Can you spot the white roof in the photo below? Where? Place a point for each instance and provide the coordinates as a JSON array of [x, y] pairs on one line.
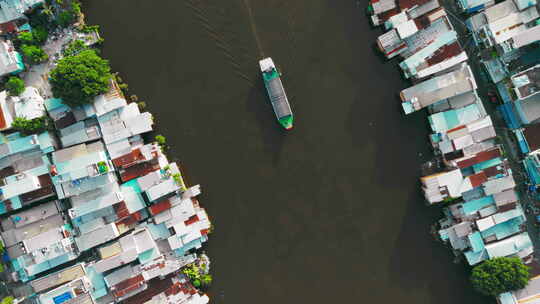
[[485, 223], [527, 37], [29, 104], [266, 64], [406, 29]]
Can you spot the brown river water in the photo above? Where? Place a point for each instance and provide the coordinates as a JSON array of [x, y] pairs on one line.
[[328, 213]]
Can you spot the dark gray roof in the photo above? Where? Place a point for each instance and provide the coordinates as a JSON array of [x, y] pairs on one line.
[[278, 98]]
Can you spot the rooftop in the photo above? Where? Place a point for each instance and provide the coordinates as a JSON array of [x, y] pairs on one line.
[[438, 88]]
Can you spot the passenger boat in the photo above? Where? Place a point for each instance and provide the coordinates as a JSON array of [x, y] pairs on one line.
[[276, 93]]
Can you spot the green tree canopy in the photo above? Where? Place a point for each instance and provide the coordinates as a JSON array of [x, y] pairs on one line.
[[34, 54], [15, 86], [30, 126], [78, 79], [40, 35], [65, 18], [7, 300], [500, 275], [25, 38]]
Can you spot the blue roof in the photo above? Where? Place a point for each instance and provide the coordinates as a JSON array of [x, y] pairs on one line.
[[496, 70], [532, 170], [54, 103], [522, 141], [504, 229], [474, 258], [410, 64], [487, 164], [477, 243], [506, 298], [475, 205], [444, 121]]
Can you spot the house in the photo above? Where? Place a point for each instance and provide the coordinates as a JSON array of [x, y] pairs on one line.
[[126, 267], [501, 31], [79, 168], [80, 132], [75, 291], [487, 227], [24, 170], [411, 35], [484, 173], [472, 6], [441, 53], [28, 105], [529, 294], [527, 83], [123, 123], [169, 290], [447, 89], [465, 140], [139, 162], [37, 240], [11, 61], [184, 224], [443, 122], [383, 10], [524, 109], [64, 116], [103, 215], [497, 25], [528, 139], [55, 279], [11, 10]]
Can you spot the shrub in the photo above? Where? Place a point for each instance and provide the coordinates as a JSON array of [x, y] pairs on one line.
[[25, 38], [40, 35], [30, 126], [7, 300], [15, 86], [75, 48], [34, 54], [142, 106], [161, 140], [78, 79], [65, 19], [500, 275]]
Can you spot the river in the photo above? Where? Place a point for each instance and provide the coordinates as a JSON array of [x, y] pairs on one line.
[[328, 213]]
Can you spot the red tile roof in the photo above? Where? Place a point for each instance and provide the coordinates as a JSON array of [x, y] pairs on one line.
[[128, 285], [480, 157], [129, 159], [532, 135], [192, 220], [160, 207], [138, 170], [3, 123], [407, 4], [478, 179], [445, 52]]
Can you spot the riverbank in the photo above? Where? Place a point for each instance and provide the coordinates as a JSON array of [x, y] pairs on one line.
[[480, 173], [91, 210]]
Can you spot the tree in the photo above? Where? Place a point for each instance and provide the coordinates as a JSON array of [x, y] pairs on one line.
[[25, 38], [75, 48], [500, 275], [34, 54], [78, 79], [7, 300], [40, 35], [15, 86], [30, 126], [65, 18]]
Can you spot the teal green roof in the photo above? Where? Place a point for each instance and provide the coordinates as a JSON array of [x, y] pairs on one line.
[[473, 206], [476, 241]]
